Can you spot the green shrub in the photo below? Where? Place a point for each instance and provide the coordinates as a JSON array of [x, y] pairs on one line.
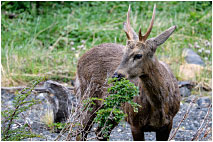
[[56, 126], [10, 116], [120, 92]]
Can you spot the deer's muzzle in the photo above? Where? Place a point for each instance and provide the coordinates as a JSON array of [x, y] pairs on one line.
[[119, 76]]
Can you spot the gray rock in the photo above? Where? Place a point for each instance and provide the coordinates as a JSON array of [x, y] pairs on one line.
[[204, 102], [190, 98], [41, 96], [187, 84], [185, 92], [196, 124], [192, 58], [122, 132], [192, 127]]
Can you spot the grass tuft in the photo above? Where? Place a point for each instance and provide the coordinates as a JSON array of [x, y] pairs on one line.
[[47, 38]]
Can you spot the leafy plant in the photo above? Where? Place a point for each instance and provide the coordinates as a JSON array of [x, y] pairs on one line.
[[21, 104], [56, 126], [120, 92]]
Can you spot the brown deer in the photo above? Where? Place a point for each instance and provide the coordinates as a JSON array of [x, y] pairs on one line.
[[159, 93]]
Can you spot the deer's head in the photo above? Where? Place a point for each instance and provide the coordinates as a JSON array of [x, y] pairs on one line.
[[139, 51]]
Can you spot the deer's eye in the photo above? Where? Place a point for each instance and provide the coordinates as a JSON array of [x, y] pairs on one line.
[[137, 56]]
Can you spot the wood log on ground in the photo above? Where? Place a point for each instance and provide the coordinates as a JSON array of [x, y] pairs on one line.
[[57, 96], [61, 106]]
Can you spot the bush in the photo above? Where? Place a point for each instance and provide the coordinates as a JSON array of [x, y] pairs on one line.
[[120, 92], [10, 116]]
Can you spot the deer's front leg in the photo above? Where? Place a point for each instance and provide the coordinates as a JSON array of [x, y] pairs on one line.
[[163, 133], [137, 133]]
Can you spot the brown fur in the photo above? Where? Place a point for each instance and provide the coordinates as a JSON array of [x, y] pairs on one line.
[[159, 93]]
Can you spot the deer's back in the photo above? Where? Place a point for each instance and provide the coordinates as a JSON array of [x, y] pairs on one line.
[[96, 65]]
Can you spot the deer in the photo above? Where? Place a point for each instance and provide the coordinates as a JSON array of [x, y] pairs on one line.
[[158, 95]]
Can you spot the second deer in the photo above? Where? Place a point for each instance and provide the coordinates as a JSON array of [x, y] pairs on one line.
[[159, 93]]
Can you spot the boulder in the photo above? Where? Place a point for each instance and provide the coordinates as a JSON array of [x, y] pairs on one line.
[[185, 92], [192, 58]]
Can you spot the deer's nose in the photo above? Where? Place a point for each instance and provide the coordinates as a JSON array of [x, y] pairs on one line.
[[118, 75]]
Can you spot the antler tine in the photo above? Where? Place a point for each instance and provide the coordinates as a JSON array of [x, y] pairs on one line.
[[143, 38], [128, 13], [128, 25]]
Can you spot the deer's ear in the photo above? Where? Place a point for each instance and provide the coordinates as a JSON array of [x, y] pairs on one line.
[[160, 39]]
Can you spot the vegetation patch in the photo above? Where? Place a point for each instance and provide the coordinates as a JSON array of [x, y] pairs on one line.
[[10, 116], [48, 38], [120, 92]]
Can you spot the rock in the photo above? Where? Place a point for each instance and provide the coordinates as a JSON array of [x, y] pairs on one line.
[[9, 104], [204, 102], [192, 58], [187, 84], [122, 132], [185, 92], [192, 127], [41, 97], [190, 98], [196, 124]]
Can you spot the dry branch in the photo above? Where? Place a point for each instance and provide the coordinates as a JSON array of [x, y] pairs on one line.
[[206, 133], [199, 131], [184, 117]]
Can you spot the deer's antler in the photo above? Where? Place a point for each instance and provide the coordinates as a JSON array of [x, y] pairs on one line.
[[130, 33], [143, 38]]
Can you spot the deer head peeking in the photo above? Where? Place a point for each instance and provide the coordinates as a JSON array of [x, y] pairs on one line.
[[139, 52]]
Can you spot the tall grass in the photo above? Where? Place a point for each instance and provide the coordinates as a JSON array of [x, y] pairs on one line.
[[47, 38]]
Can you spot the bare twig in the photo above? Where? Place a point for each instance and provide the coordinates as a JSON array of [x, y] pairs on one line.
[[92, 138], [196, 136], [206, 130], [206, 133], [184, 117]]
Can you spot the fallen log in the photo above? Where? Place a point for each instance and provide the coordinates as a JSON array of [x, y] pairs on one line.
[[40, 89], [60, 101]]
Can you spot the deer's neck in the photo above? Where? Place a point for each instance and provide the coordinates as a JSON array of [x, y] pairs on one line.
[[154, 83]]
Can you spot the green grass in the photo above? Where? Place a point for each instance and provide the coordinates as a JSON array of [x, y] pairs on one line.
[[44, 38]]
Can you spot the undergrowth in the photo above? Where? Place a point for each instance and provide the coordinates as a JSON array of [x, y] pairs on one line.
[[120, 92], [11, 130]]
